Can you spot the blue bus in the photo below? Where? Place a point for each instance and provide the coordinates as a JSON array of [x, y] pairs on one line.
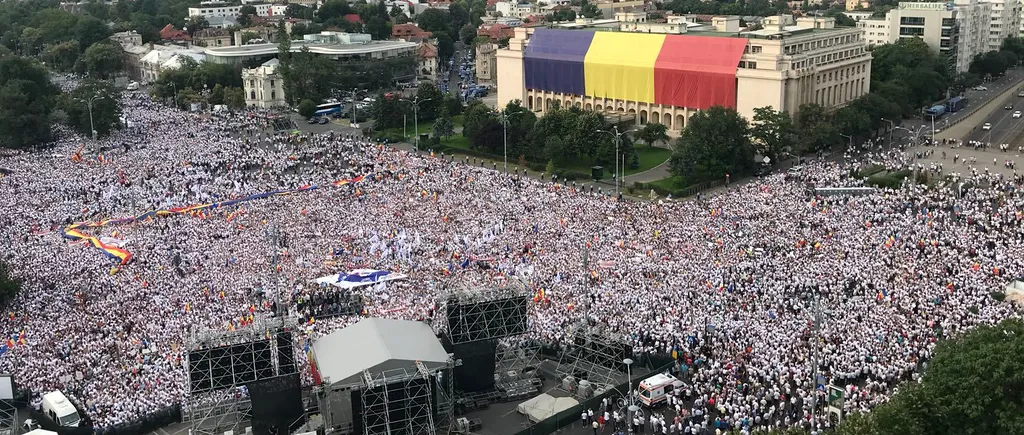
[[956, 103], [328, 109]]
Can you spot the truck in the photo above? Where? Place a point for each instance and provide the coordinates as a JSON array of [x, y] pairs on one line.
[[58, 408], [956, 103], [935, 111]]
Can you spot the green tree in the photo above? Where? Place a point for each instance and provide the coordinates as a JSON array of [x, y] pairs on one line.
[[435, 20], [62, 56], [991, 63], [332, 10], [89, 30], [248, 36], [309, 77], [26, 100], [245, 15], [815, 130], [196, 23], [974, 385], [10, 286], [31, 41], [388, 112], [445, 46], [467, 33], [299, 11], [459, 14], [102, 60], [589, 10], [217, 94], [430, 101], [475, 118], [714, 143], [443, 126], [307, 108], [378, 27], [652, 133], [911, 64], [772, 130], [106, 107], [234, 97]]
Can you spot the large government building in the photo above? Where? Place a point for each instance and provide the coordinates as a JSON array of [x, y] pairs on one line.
[[665, 72]]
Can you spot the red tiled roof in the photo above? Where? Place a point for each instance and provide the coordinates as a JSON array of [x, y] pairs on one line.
[[427, 50], [170, 33], [409, 30], [496, 32], [353, 18]]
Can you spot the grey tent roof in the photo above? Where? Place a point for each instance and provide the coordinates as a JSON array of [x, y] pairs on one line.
[[377, 345]]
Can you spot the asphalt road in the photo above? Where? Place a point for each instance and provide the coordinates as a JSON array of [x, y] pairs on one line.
[[1005, 128]]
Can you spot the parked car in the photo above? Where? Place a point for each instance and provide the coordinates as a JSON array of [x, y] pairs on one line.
[[323, 120], [314, 120]]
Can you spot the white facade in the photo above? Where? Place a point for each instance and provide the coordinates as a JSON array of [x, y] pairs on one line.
[[1004, 22], [263, 86], [161, 58], [958, 30], [263, 10], [515, 9]]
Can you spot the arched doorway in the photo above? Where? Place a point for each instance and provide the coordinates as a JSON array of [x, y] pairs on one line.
[[643, 117]]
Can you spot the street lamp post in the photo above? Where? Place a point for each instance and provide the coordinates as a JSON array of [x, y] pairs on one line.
[[416, 118], [892, 128], [504, 116], [89, 102], [173, 85], [933, 131], [850, 138], [629, 382], [618, 136]]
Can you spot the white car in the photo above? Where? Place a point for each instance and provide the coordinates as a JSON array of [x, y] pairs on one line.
[[987, 126], [1016, 114], [980, 88]]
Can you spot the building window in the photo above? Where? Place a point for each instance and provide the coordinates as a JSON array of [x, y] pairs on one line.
[[751, 65], [911, 31], [271, 83], [911, 21], [252, 95], [755, 48], [273, 95], [948, 22]]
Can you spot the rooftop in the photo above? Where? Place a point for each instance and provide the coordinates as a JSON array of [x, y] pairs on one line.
[[316, 48], [376, 345]]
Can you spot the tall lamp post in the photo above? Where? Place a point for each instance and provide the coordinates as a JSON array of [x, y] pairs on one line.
[[504, 116], [89, 102], [173, 85], [618, 136], [416, 118], [631, 407], [850, 139], [892, 128]]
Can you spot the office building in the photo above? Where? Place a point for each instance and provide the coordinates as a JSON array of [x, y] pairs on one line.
[[667, 78], [957, 31], [1004, 22]]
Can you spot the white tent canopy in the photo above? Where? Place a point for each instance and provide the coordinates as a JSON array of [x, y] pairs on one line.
[[544, 406]]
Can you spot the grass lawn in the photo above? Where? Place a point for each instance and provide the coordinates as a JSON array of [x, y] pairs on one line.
[[669, 183], [650, 157]]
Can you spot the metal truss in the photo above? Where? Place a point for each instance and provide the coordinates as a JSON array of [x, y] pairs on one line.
[[217, 412], [8, 418], [219, 364], [484, 314], [401, 401], [513, 356], [595, 354]]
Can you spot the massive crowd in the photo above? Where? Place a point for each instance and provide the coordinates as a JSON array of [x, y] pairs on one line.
[[890, 272]]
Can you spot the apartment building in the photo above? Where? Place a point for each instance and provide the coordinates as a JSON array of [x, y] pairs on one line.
[[666, 78], [228, 10], [958, 31], [1004, 22]]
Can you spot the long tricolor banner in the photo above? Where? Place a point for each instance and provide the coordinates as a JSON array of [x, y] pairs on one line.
[[74, 231], [671, 70]]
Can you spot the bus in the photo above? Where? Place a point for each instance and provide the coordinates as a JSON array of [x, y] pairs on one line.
[[328, 109], [956, 103]]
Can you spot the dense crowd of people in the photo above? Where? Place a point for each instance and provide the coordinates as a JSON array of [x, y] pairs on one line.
[[889, 273]]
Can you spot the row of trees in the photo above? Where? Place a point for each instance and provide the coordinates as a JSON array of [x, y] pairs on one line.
[[196, 82], [995, 63]]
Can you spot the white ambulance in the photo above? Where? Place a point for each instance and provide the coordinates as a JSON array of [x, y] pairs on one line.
[[654, 390], [59, 409]]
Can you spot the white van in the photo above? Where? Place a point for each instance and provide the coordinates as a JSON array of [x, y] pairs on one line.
[[133, 86], [59, 409], [655, 389]]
